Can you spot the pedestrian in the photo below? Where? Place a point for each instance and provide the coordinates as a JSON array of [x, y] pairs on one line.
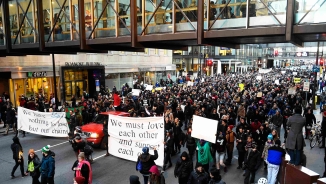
[[47, 166], [33, 167], [277, 121], [295, 141], [79, 180], [10, 118], [156, 177], [106, 137], [83, 168], [190, 143], [220, 147], [216, 178], [78, 145], [204, 154], [230, 139], [252, 163], [198, 175], [17, 152], [323, 129], [168, 149], [241, 143], [146, 161], [275, 154], [183, 168], [134, 179], [269, 143]]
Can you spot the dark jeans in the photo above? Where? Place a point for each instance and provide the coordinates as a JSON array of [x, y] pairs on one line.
[[21, 164], [191, 150], [247, 176], [241, 157], [183, 180], [35, 179], [46, 180], [295, 156], [177, 145], [167, 158], [229, 149], [145, 179]]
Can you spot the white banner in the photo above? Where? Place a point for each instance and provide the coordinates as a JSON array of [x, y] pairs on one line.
[[129, 135], [53, 124], [203, 128], [135, 92]]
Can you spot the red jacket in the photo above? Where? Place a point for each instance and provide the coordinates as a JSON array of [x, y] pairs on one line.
[[255, 126], [117, 100]]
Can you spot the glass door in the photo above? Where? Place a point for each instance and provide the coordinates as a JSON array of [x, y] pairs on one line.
[[79, 87], [68, 87]]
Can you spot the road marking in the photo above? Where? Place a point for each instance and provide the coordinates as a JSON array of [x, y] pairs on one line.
[[53, 146], [99, 157]]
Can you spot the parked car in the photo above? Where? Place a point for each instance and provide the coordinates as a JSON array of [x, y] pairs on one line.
[[94, 129]]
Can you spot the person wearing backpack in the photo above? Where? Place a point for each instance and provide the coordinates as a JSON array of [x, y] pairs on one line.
[[33, 168], [145, 162], [156, 176]]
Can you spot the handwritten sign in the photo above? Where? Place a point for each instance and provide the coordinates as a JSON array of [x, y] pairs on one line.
[[53, 124]]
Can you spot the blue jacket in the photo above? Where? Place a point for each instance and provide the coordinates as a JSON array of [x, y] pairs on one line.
[[275, 154], [48, 166]]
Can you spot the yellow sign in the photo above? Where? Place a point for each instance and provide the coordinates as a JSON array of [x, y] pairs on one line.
[[321, 70], [241, 86], [297, 80]]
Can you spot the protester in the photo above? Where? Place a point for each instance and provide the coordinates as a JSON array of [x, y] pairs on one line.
[[275, 154], [156, 177], [216, 178], [241, 143], [147, 161], [168, 149], [204, 154], [190, 143], [220, 147], [230, 139], [47, 166], [83, 168], [106, 137], [252, 163], [33, 168], [17, 152], [198, 175], [295, 141], [134, 179], [269, 143], [183, 168]]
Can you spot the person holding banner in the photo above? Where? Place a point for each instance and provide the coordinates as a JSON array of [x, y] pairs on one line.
[[146, 161], [168, 149], [204, 153], [17, 151]]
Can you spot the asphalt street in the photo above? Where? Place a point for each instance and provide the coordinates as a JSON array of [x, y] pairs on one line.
[[113, 170]]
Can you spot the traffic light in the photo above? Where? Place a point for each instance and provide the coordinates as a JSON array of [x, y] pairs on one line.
[[321, 62], [183, 64], [209, 62]]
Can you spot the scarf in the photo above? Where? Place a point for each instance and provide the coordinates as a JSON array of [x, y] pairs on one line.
[[78, 173]]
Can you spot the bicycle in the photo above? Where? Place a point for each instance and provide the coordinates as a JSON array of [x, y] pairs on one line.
[[317, 138]]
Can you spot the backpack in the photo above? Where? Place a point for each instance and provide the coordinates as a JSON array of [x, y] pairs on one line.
[[139, 166], [88, 150]]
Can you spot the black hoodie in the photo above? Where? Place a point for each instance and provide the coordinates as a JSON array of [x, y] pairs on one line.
[[183, 168]]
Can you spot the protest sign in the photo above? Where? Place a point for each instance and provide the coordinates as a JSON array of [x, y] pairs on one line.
[[135, 92], [292, 91], [306, 86], [260, 94], [297, 80], [129, 135], [53, 124], [190, 83], [203, 128], [149, 87], [241, 86]]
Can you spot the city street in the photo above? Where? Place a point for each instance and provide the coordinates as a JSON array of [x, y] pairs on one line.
[[113, 170]]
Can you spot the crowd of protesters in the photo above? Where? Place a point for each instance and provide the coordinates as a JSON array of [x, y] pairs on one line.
[[250, 120]]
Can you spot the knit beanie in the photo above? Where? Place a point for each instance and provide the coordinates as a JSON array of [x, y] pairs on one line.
[[31, 151], [231, 127], [145, 150], [46, 149], [270, 137], [80, 180]]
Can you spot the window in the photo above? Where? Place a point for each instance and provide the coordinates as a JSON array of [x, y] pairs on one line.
[[110, 52], [134, 53], [156, 51], [165, 52], [122, 52], [146, 52]]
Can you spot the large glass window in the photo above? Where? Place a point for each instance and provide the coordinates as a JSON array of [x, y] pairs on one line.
[[75, 81], [111, 80], [310, 11]]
